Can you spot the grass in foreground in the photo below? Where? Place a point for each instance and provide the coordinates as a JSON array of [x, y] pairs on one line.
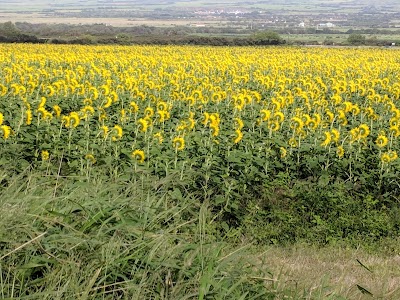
[[115, 238]]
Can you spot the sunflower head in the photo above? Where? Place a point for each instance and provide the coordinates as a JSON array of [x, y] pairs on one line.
[[381, 141], [117, 133], [90, 158], [142, 125], [6, 131], [282, 152], [340, 151], [238, 136], [178, 143], [138, 155], [327, 139], [45, 155]]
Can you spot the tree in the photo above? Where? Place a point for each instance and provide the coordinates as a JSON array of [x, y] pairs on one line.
[[9, 30], [267, 38], [356, 39]]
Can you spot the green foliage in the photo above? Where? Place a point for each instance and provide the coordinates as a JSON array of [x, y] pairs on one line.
[[267, 38], [116, 238], [356, 39]]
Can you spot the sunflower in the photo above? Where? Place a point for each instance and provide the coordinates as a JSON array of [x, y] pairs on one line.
[[138, 155], [90, 157], [340, 151], [385, 158], [297, 123], [282, 152], [238, 136], [364, 131], [108, 102], [6, 131], [117, 133], [28, 115], [293, 143], [45, 155], [142, 125], [149, 112], [238, 123], [381, 141], [159, 137], [214, 128], [327, 140], [395, 130], [161, 115], [274, 125], [1, 119], [74, 119], [335, 135], [205, 118], [104, 130], [178, 143], [162, 105], [279, 116], [239, 103], [393, 155], [134, 107], [57, 110], [265, 114]]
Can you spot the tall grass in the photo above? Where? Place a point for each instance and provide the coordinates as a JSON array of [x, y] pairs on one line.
[[115, 238]]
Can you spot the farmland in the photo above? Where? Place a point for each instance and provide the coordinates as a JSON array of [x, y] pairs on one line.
[[152, 170]]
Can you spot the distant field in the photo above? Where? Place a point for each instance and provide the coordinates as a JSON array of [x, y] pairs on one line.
[[294, 5]]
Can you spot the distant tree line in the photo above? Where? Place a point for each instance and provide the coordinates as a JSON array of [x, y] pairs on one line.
[[22, 32], [103, 34]]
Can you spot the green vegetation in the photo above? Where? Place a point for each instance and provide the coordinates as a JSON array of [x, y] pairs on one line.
[[115, 238], [356, 39]]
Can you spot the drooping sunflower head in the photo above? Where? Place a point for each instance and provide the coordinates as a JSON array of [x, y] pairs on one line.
[[393, 155], [138, 155], [381, 141], [238, 123], [142, 125], [335, 135], [265, 114], [57, 110], [279, 116], [282, 152], [45, 155], [214, 129], [238, 136], [364, 130], [134, 107], [149, 112], [327, 139], [159, 137], [395, 130], [90, 158], [293, 143], [385, 158], [104, 130], [28, 115], [6, 130], [296, 123], [274, 125], [178, 143], [340, 151], [117, 133]]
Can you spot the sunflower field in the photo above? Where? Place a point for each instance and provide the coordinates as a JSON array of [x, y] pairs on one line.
[[312, 131]]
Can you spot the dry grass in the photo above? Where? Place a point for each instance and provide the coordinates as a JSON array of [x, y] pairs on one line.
[[334, 273], [38, 18]]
